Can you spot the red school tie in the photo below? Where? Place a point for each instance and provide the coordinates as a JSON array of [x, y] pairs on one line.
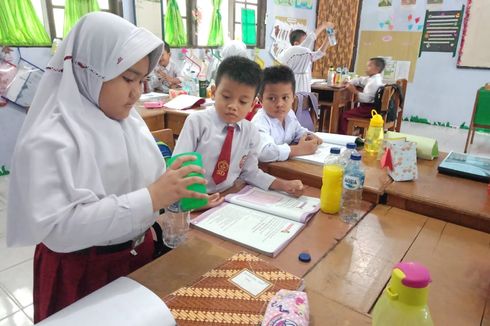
[[223, 164]]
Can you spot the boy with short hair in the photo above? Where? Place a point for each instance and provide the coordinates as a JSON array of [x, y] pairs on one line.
[[165, 74], [281, 135], [369, 85], [228, 142]]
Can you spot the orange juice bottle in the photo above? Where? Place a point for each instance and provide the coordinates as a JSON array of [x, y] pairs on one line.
[[331, 193]]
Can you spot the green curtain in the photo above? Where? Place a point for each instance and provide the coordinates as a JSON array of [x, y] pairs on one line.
[[249, 33], [75, 9], [174, 27], [20, 26], [216, 33]]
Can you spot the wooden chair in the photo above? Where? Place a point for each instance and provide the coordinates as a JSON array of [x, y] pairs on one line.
[[399, 117], [363, 123], [307, 104], [165, 135], [480, 118]]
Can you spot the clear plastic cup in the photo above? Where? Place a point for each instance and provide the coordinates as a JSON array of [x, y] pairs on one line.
[[174, 227]]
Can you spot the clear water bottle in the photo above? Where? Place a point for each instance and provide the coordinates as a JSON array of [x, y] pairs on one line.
[[353, 183], [404, 300], [331, 36], [345, 156]]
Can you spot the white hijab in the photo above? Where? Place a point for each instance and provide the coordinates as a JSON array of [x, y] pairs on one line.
[[69, 152]]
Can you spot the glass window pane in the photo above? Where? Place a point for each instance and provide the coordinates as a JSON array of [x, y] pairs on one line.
[[39, 9], [238, 32], [252, 1], [103, 4], [59, 19], [206, 12], [182, 7], [58, 2], [238, 13]]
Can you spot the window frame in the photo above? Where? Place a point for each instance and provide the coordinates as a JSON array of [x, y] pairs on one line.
[[115, 7], [191, 27]]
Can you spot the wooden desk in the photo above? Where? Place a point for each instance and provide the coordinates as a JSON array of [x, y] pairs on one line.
[[356, 271], [453, 199], [335, 98], [310, 174], [174, 119], [196, 256], [154, 118]]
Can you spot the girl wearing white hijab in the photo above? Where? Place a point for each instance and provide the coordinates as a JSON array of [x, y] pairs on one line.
[[87, 178]]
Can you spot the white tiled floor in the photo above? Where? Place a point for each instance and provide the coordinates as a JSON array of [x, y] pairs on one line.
[[16, 263]]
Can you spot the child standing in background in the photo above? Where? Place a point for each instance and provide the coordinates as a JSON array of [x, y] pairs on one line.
[[228, 143], [87, 179], [165, 75], [278, 126], [369, 85], [300, 58]]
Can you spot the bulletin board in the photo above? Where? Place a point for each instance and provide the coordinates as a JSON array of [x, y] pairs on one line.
[[475, 42], [403, 46]]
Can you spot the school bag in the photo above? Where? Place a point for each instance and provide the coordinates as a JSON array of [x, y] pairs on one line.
[[392, 109]]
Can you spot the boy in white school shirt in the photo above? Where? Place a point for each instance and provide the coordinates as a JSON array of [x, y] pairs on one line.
[[281, 135], [369, 85], [165, 75], [227, 142], [299, 57]]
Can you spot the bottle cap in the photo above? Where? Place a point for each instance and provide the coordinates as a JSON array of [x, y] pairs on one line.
[[355, 157], [351, 145], [335, 150], [304, 257], [376, 120]]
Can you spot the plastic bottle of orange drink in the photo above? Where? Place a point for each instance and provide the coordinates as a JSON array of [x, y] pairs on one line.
[[331, 193]]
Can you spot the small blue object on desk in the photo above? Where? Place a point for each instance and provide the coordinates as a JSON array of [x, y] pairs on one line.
[[304, 257]]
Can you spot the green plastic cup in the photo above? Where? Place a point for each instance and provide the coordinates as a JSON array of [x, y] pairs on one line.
[[187, 204]]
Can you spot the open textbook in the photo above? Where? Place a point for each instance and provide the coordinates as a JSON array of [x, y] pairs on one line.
[[329, 141], [265, 221]]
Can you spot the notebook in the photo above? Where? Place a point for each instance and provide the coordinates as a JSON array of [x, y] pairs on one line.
[[235, 293], [466, 166], [261, 220]]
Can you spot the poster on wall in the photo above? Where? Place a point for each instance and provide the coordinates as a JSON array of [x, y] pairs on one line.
[[435, 2], [289, 3], [280, 33], [473, 52], [409, 2], [441, 31], [384, 3], [304, 4]]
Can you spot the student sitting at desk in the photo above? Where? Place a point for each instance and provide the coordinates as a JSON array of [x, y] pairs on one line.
[[369, 85], [300, 58], [164, 76], [278, 126], [228, 143], [87, 179]]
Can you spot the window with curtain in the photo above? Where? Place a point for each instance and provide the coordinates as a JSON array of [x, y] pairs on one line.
[[20, 25], [208, 23], [59, 16]]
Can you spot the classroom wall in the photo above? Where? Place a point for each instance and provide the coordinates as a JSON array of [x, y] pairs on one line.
[[440, 92]]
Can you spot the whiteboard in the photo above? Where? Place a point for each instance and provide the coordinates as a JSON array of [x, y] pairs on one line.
[[475, 44]]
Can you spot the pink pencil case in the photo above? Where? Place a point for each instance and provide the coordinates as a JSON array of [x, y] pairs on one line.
[[154, 104], [287, 308]]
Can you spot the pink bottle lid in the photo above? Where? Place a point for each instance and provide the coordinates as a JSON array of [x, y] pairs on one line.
[[416, 275]]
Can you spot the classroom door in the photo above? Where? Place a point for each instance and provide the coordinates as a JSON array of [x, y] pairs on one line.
[[345, 15]]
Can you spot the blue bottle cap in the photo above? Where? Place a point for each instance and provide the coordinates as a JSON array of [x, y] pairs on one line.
[[335, 150], [304, 257], [351, 145], [355, 157]]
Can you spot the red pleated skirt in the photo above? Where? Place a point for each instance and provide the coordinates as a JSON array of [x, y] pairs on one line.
[[62, 278]]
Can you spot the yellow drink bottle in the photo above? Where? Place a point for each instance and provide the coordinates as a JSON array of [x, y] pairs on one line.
[[331, 193], [404, 301], [375, 134]]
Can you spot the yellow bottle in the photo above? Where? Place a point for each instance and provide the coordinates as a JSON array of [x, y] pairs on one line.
[[404, 301], [375, 134], [331, 192]]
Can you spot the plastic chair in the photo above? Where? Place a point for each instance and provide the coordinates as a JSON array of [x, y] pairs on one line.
[[480, 118]]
